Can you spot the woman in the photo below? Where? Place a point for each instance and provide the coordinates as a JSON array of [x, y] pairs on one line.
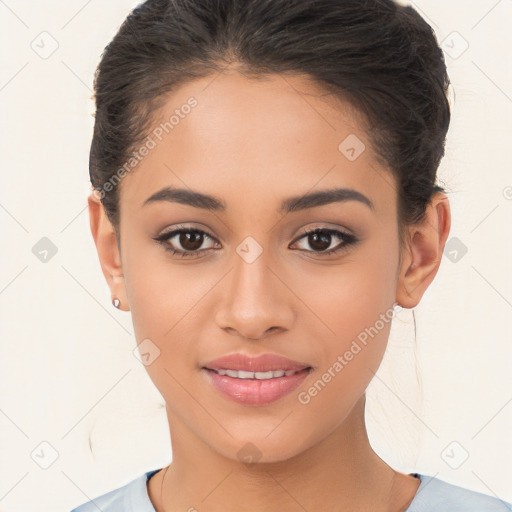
[[265, 197]]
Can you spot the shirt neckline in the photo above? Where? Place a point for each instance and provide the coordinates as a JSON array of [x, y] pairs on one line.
[[422, 478]]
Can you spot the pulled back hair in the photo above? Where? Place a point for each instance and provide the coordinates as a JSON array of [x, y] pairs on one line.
[[380, 56]]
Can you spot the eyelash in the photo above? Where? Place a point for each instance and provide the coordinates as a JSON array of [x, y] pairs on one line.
[[348, 240]]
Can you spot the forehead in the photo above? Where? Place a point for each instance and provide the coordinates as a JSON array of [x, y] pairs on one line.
[[276, 135]]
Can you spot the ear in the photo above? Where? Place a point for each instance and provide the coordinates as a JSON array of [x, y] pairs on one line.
[[423, 251], [109, 254]]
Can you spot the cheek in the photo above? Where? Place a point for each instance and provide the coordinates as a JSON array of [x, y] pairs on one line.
[[350, 296], [354, 301], [163, 297]]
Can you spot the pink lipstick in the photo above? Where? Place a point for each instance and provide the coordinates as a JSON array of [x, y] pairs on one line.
[[255, 380]]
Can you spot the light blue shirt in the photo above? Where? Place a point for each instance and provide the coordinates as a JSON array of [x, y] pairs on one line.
[[433, 495]]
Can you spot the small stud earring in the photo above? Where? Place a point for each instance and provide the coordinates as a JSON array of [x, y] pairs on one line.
[[116, 303]]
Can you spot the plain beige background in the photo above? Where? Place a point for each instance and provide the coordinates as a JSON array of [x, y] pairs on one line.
[[78, 413]]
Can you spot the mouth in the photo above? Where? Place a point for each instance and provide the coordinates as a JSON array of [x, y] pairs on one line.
[[251, 380], [255, 381]]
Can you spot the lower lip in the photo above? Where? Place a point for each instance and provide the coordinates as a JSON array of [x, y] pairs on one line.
[[256, 391]]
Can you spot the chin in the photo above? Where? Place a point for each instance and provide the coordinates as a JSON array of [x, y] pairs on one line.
[[260, 448]]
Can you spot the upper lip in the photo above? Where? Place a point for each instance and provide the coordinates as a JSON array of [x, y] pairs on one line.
[[261, 363]]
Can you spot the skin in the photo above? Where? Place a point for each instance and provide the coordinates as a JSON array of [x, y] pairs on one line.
[[253, 143]]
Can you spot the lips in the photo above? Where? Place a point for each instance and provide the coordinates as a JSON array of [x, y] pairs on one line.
[[255, 380], [261, 363]]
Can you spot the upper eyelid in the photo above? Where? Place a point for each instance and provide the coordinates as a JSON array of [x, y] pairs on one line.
[[309, 231]]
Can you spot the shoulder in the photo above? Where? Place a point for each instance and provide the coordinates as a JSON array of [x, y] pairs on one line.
[[132, 497], [437, 495]]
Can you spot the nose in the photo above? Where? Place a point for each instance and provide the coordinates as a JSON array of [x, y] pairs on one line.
[[254, 300]]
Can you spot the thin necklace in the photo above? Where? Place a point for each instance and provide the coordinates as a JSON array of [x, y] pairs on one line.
[[162, 488]]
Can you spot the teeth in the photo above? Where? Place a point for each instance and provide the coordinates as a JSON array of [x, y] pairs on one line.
[[242, 374]]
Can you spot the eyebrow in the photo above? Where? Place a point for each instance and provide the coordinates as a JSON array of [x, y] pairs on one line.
[[289, 205]]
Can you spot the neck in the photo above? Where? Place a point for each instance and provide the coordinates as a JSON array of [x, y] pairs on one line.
[[341, 472]]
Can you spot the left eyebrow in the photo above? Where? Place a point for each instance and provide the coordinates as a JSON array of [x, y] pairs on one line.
[[322, 198], [289, 205]]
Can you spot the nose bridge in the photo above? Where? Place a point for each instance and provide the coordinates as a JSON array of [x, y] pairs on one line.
[[251, 279], [253, 253], [254, 300]]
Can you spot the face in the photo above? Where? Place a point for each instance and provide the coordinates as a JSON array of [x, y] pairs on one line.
[[252, 280]]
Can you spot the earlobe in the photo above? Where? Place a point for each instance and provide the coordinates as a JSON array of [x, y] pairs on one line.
[[105, 239], [423, 252]]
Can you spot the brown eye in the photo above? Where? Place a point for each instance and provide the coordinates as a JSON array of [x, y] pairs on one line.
[[184, 241], [190, 241], [321, 239]]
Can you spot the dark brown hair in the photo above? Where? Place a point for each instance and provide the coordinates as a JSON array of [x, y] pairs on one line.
[[379, 55]]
